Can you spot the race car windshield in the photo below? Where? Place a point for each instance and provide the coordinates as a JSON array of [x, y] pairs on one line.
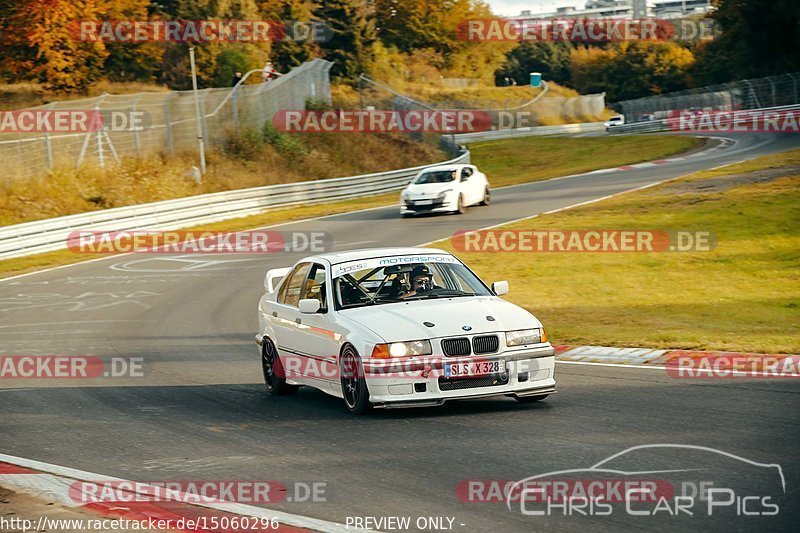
[[436, 176], [376, 285]]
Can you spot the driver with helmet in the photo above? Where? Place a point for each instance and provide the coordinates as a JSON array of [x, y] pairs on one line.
[[421, 281]]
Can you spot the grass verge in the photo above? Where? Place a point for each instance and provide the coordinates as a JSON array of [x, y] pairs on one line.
[[525, 159], [742, 296], [557, 167]]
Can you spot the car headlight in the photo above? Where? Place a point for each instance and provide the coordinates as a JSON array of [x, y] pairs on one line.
[[402, 349], [404, 194], [522, 337], [443, 194]]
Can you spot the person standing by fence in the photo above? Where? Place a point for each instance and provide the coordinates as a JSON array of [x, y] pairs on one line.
[[268, 73]]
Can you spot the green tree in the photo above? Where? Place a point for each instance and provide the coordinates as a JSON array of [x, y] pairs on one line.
[[757, 39], [351, 25], [551, 59]]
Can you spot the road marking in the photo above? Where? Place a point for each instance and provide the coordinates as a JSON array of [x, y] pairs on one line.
[[52, 484]]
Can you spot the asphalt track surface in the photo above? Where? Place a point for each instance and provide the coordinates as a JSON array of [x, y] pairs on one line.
[[200, 412]]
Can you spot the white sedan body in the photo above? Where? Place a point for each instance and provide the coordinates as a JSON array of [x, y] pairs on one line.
[[458, 340], [438, 190]]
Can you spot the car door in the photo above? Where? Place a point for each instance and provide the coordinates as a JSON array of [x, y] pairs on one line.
[[318, 335], [283, 317], [468, 183]]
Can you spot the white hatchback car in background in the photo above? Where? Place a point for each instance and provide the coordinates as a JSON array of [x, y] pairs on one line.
[[398, 327], [445, 189]]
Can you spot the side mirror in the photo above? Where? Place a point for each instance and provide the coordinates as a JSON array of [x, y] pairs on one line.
[[500, 287], [309, 306]]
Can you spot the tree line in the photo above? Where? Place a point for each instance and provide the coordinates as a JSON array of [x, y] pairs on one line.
[[406, 39]]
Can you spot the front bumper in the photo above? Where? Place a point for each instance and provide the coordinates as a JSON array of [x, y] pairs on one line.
[[437, 206], [528, 372]]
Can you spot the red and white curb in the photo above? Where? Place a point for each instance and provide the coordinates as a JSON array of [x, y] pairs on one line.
[[55, 483], [644, 357], [723, 144]]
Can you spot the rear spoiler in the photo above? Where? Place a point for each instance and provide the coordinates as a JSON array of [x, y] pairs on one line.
[[274, 277]]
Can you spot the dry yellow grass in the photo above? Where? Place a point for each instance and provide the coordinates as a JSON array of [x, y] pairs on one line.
[[244, 164]]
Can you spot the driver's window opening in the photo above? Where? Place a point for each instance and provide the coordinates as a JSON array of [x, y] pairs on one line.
[[407, 282], [315, 286]]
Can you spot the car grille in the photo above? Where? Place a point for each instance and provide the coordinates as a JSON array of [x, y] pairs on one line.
[[426, 207], [471, 383], [485, 344], [456, 346]]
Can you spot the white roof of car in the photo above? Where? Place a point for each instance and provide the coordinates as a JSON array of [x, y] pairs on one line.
[[445, 167], [369, 253]]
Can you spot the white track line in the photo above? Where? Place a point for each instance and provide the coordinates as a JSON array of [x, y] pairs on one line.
[[288, 519], [714, 373]]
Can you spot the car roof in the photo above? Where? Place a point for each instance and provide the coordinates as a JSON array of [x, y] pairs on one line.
[[445, 167], [370, 253]]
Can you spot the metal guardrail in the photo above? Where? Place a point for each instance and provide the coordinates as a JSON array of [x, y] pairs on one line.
[[664, 123], [48, 235], [493, 135]]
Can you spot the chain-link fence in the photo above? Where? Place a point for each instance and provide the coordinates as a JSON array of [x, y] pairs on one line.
[[548, 110], [758, 93], [169, 122]]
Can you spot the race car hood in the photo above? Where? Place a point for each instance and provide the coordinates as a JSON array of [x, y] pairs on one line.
[[405, 321], [429, 189]]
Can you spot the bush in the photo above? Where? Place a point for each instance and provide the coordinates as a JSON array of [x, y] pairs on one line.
[[246, 143], [288, 145]]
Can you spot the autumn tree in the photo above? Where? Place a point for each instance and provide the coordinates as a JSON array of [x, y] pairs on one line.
[[39, 43]]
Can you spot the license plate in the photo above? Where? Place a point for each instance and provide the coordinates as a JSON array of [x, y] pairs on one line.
[[472, 368], [424, 202]]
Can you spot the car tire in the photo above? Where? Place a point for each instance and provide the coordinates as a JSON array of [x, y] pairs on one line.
[[271, 367], [405, 215], [354, 387], [487, 197], [531, 399], [460, 209]]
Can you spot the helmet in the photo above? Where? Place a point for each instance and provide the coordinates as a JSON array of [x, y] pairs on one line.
[[421, 270]]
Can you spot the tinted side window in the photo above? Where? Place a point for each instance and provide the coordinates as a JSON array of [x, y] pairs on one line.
[[290, 290], [466, 172]]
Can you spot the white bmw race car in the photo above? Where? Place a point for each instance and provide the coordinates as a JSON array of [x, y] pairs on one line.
[[445, 189], [398, 327]]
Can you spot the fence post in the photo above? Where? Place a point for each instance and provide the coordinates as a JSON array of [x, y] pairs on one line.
[[772, 90], [136, 129], [235, 105], [168, 123], [48, 145], [204, 117]]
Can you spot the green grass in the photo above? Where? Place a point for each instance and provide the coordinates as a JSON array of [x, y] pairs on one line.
[[525, 159], [742, 296], [550, 163]]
